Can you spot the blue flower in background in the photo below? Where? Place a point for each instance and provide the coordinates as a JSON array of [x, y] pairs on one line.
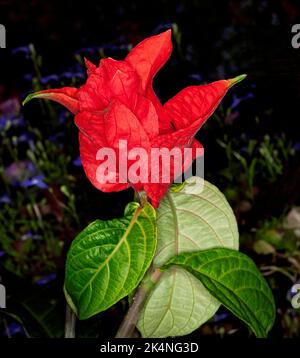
[[25, 138], [5, 199], [10, 121], [86, 50], [37, 181], [62, 116], [77, 162], [44, 280], [297, 146], [24, 50], [47, 79], [237, 100], [56, 137], [196, 76], [71, 75], [28, 77], [220, 316], [30, 235], [14, 328]]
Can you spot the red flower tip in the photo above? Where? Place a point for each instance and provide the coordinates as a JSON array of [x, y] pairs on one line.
[[89, 66], [149, 56], [234, 81], [65, 96]]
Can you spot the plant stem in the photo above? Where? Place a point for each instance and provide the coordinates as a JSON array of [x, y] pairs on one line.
[[70, 323], [140, 197], [128, 325]]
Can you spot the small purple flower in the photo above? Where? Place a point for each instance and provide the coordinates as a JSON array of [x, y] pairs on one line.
[[28, 77], [56, 137], [25, 137], [86, 50], [297, 146], [5, 199], [14, 328], [22, 49], [62, 116], [18, 122], [47, 79], [4, 123], [220, 316], [9, 121], [77, 162], [44, 280], [37, 181], [236, 100], [2, 253], [16, 172], [70, 75], [196, 76], [30, 235], [30, 167]]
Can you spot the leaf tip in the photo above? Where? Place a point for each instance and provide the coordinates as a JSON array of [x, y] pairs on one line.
[[236, 80], [28, 98]]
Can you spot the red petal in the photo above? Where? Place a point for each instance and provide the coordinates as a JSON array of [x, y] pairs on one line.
[[165, 125], [88, 153], [112, 79], [156, 191], [93, 94], [122, 124], [146, 59], [91, 68], [149, 56], [122, 81], [147, 116], [197, 103], [91, 124], [67, 96]]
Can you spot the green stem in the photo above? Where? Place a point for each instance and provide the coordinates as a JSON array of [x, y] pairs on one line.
[[140, 197], [128, 325], [70, 323]]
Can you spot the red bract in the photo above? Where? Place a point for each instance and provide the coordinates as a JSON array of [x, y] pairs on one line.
[[117, 102]]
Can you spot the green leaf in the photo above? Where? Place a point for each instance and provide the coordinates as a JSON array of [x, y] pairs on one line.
[[235, 281], [178, 305], [196, 218], [108, 259]]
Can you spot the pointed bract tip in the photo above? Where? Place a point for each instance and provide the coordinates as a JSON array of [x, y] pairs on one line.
[[167, 33], [234, 81], [28, 98]]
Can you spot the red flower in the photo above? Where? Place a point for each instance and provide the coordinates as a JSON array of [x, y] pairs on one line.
[[118, 103]]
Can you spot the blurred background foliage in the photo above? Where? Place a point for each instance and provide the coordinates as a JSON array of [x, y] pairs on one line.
[[252, 142]]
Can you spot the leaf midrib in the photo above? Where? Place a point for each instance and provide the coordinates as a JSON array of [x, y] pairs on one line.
[[174, 212], [123, 239]]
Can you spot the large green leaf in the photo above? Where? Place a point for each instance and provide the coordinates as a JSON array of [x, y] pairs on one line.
[[195, 218], [235, 281], [108, 259], [179, 304]]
